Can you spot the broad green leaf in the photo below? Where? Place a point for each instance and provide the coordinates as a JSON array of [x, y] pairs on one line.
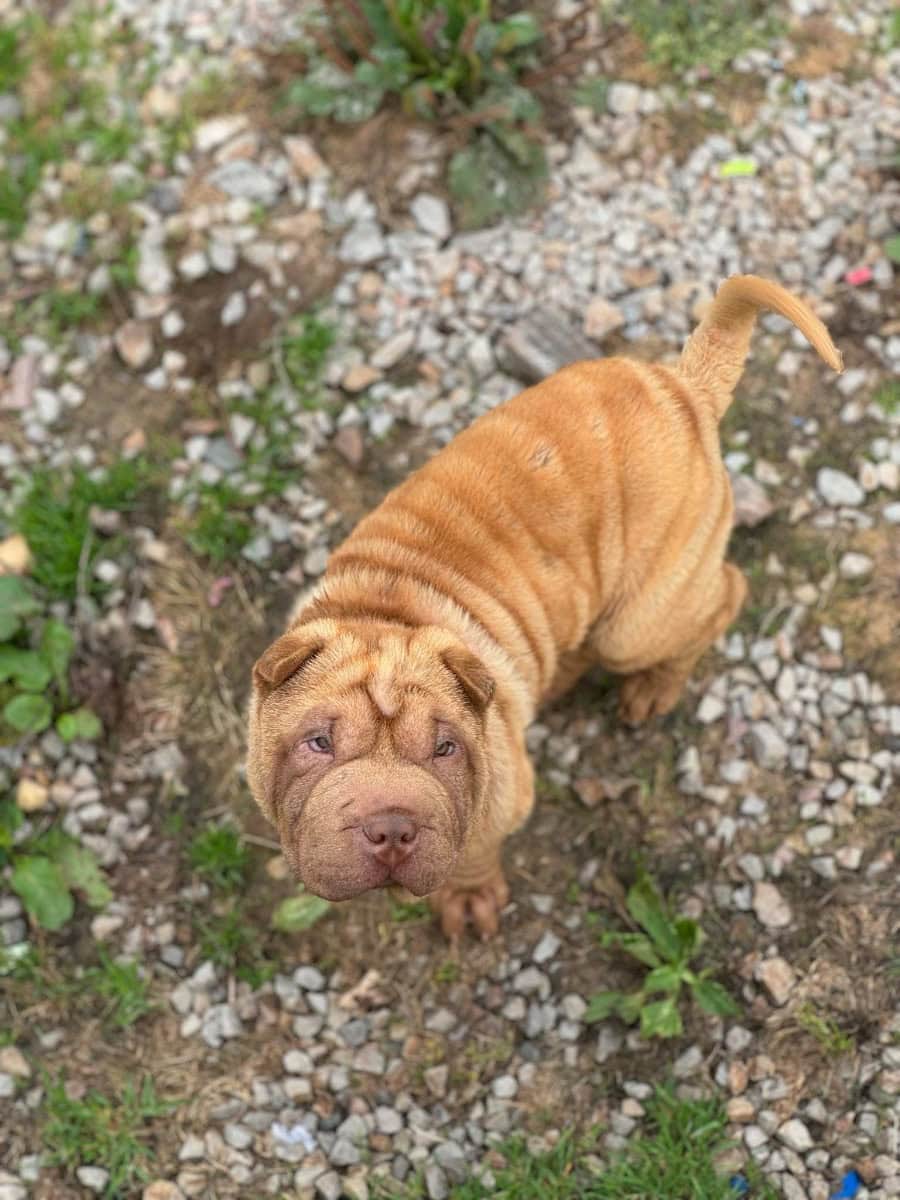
[[646, 906], [661, 1019], [40, 886], [602, 1005], [690, 936], [10, 625], [57, 645], [80, 725], [10, 821], [28, 713], [664, 979], [81, 870], [636, 944], [26, 668], [892, 248], [299, 912], [16, 597], [630, 1007], [713, 998], [519, 29]]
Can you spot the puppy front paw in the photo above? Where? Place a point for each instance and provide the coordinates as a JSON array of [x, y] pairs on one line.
[[481, 903], [650, 693]]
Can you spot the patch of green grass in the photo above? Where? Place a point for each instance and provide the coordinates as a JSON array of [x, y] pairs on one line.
[[219, 527], [112, 1132], [217, 522], [53, 516], [70, 108], [447, 972], [405, 911], [684, 34], [304, 350], [231, 942], [826, 1031], [887, 397], [675, 1157], [121, 986], [219, 855], [668, 946]]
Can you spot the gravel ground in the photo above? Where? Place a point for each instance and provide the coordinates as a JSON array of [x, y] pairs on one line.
[[768, 802]]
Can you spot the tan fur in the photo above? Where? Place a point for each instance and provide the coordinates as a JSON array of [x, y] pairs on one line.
[[582, 523]]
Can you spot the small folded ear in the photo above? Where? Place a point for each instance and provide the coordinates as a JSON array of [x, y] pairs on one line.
[[471, 675], [284, 658]]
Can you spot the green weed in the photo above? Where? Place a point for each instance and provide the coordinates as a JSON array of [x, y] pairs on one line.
[[232, 943], [121, 986], [405, 911], [444, 59], [684, 34], [833, 1040], [447, 972], [46, 869], [219, 528], [103, 1131], [219, 855], [887, 397], [674, 1158], [70, 111], [667, 947], [54, 517], [304, 350]]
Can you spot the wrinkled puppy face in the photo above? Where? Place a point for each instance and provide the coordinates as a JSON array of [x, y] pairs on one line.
[[367, 753]]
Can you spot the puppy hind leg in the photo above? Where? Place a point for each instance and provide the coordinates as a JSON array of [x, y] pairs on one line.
[[655, 690]]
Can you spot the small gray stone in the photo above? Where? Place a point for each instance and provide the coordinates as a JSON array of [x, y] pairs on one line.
[[623, 99], [442, 1020], [388, 1120], [364, 243], [778, 978], [688, 1063], [542, 342], [431, 215], [392, 351], [244, 180], [769, 748], [234, 309], [310, 979], [854, 565], [94, 1179], [451, 1157], [370, 1060], [328, 1186], [752, 505], [546, 948], [838, 489], [239, 1137], [504, 1087], [436, 1183], [343, 1153], [770, 906], [795, 1136]]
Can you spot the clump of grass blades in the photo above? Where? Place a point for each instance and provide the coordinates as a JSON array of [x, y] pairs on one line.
[[103, 1131]]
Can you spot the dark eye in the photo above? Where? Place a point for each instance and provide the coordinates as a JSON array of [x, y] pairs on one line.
[[444, 749], [320, 744]]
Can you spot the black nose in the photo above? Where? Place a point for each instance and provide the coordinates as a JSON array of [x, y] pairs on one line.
[[390, 837]]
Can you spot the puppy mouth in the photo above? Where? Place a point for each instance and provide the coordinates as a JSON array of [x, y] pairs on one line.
[[353, 871]]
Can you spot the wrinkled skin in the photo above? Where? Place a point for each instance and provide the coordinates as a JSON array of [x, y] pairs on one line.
[[368, 755]]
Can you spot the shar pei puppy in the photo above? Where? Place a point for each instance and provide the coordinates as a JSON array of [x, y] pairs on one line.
[[582, 523]]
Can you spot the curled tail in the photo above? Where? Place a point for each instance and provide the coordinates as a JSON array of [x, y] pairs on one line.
[[713, 356]]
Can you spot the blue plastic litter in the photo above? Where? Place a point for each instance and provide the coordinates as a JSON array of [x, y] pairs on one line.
[[739, 1184], [850, 1185]]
